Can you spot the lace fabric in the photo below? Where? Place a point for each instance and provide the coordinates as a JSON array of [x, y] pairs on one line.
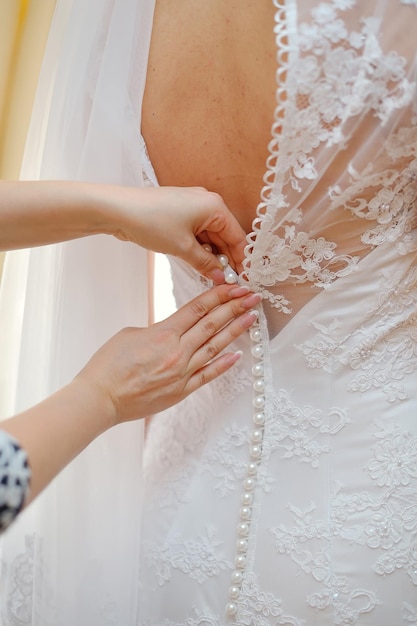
[[300, 509], [303, 512], [323, 109]]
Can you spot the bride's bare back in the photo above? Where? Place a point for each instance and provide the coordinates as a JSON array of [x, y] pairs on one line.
[[210, 97]]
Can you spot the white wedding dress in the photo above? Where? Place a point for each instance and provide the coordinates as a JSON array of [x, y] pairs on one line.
[[285, 492]]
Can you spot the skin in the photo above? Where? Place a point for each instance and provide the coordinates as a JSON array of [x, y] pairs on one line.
[[210, 97], [137, 372], [140, 371], [43, 212]]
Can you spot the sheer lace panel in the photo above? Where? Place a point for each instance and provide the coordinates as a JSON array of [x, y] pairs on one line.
[[326, 203]]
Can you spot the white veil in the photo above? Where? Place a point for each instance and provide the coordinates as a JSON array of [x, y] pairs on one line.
[[71, 559]]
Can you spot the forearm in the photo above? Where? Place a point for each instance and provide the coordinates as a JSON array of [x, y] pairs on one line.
[[44, 212], [55, 431]]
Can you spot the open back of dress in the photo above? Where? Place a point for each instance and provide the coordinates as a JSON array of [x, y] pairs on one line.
[[286, 492]]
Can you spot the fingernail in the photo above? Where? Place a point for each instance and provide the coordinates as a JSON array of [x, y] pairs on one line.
[[254, 313], [237, 292], [252, 300], [236, 356], [250, 318], [217, 276]]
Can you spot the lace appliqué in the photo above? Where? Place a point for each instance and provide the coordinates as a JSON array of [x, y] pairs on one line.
[[346, 604], [260, 607], [180, 434], [392, 206], [26, 577], [301, 432], [222, 462], [409, 613], [337, 74], [232, 383], [15, 477], [199, 558], [383, 350]]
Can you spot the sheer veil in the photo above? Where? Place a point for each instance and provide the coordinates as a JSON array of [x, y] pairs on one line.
[[72, 557]]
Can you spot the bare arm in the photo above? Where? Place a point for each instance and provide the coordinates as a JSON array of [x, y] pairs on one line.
[[173, 220], [138, 372]]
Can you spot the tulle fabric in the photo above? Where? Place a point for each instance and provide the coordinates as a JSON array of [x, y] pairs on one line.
[[71, 558]]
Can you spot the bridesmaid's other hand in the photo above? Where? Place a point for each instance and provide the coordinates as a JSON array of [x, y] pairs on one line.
[[141, 371]]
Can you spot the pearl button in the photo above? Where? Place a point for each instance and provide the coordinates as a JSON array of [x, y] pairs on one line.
[[231, 608], [252, 469], [258, 369], [258, 351], [234, 592], [255, 334], [223, 260], [237, 577], [259, 402], [255, 452], [240, 561], [230, 276], [249, 484], [259, 385], [245, 512], [257, 436], [259, 418], [247, 499], [243, 529], [242, 545]]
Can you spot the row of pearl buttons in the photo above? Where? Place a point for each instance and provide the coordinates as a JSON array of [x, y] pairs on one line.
[[249, 483]]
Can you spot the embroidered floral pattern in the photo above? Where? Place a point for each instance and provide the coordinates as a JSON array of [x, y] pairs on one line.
[[381, 358], [331, 489], [260, 607], [341, 73], [222, 462], [232, 383], [301, 432], [198, 558]]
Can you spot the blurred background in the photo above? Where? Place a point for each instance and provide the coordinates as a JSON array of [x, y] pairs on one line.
[[24, 27]]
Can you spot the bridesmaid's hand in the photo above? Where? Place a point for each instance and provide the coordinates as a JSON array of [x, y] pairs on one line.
[[177, 221], [142, 371]]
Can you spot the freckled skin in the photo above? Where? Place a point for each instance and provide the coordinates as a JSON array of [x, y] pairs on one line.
[[210, 97]]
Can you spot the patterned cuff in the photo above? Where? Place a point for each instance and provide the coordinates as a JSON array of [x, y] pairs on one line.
[[15, 477]]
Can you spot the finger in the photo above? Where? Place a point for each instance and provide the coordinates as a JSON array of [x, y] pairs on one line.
[[205, 330], [224, 231], [204, 261], [217, 343], [211, 371], [235, 253], [190, 314]]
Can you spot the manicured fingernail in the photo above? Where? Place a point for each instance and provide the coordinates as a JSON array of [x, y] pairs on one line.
[[237, 292], [254, 313], [250, 318], [252, 300], [236, 356], [217, 276]]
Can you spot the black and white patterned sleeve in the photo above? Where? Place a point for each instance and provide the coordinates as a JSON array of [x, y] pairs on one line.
[[14, 479]]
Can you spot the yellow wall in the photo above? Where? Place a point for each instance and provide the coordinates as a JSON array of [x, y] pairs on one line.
[[24, 26]]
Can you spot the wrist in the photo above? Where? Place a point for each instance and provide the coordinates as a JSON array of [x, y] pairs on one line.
[[98, 407]]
